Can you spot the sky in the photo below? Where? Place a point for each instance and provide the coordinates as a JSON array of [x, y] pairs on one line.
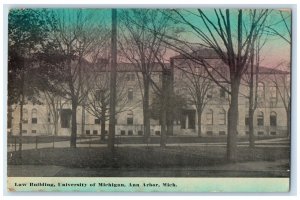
[[275, 51]]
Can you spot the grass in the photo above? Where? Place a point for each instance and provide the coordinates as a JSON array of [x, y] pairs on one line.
[[39, 139], [142, 157], [173, 139]]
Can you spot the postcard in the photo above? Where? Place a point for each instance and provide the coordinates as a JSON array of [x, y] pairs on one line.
[[149, 100]]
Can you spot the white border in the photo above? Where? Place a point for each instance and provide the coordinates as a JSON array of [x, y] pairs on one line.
[[154, 3]]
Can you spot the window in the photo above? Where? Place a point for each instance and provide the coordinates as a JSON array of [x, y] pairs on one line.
[[247, 120], [273, 119], [65, 116], [34, 116], [273, 133], [209, 93], [130, 94], [157, 132], [140, 132], [222, 133], [183, 119], [191, 119], [130, 118], [95, 132], [260, 133], [247, 103], [130, 77], [209, 117], [222, 117], [97, 121], [130, 132], [260, 91], [122, 132], [24, 131], [247, 132], [25, 116], [260, 119], [273, 96], [33, 131], [49, 117], [88, 132], [98, 95], [273, 92], [209, 133], [105, 132], [222, 93]]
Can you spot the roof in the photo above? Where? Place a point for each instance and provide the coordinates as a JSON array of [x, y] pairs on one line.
[[204, 53], [208, 53], [129, 67]]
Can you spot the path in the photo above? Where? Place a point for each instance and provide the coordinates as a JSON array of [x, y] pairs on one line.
[[274, 142]]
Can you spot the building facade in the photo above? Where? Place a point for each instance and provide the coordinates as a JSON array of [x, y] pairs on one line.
[[270, 117]]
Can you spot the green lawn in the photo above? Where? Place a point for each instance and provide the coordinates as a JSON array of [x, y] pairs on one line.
[[142, 157]]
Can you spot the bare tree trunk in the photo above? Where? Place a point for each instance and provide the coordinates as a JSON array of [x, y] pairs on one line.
[[21, 121], [55, 126], [112, 103], [251, 104], [251, 129], [199, 122], [169, 115], [146, 109], [74, 124], [163, 125], [103, 111], [164, 96], [232, 122], [102, 137], [82, 119], [9, 117]]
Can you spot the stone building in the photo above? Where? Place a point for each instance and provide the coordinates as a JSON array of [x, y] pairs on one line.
[[270, 116]]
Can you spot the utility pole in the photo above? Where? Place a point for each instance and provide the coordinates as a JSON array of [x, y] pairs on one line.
[[113, 74]]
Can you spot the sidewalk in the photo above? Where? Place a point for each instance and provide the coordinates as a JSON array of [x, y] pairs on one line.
[[275, 142], [245, 169]]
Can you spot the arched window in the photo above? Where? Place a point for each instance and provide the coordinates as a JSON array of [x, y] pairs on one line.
[[209, 117], [222, 117], [260, 92], [261, 89], [273, 92], [273, 96], [34, 116], [260, 119], [273, 119], [25, 116], [130, 117]]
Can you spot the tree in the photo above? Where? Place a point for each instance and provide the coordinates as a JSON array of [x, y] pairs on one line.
[[198, 85], [252, 78], [54, 104], [28, 33], [230, 33], [79, 36], [97, 102], [177, 104], [113, 76], [282, 29], [141, 43], [281, 80]]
